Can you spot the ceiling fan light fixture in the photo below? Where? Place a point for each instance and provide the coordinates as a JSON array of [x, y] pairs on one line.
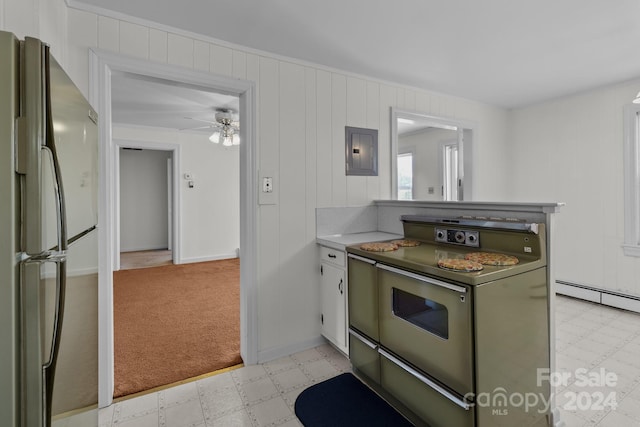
[[227, 141], [215, 137]]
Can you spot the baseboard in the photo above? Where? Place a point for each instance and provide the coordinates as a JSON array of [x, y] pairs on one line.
[[209, 258], [278, 352], [599, 296], [142, 248]]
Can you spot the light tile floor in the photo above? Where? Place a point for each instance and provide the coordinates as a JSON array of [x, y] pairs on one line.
[[588, 336], [252, 396]]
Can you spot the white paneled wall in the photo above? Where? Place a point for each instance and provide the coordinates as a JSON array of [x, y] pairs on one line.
[[302, 110], [570, 150]]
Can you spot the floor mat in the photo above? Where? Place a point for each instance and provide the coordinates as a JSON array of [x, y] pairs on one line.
[[344, 401]]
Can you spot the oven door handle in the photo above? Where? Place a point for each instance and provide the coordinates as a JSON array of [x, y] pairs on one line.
[[423, 379], [364, 341], [363, 259], [428, 280]]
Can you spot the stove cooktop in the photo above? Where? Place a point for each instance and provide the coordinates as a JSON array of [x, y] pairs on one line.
[[424, 259], [453, 240]]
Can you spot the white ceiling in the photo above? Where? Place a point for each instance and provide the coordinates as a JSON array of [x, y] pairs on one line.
[[507, 53], [145, 101]]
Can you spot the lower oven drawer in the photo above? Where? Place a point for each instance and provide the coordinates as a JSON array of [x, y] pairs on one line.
[[364, 356], [363, 295], [435, 405]]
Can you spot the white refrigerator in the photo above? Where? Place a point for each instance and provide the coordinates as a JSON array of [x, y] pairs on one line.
[[48, 242]]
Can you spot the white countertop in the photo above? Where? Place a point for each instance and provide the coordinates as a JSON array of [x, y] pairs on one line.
[[341, 241]]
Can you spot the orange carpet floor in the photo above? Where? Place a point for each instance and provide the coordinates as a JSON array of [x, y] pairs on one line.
[[175, 322]]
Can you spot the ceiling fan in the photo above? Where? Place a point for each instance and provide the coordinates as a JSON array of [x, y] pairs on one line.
[[226, 128]]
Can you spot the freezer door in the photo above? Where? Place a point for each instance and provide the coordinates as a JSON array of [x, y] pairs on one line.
[[76, 143]]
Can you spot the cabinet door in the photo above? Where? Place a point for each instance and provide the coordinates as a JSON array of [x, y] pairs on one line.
[[333, 305]]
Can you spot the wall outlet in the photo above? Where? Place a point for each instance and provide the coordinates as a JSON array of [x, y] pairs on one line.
[[267, 184]]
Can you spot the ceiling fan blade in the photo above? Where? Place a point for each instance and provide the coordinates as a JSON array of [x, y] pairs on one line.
[[200, 120], [200, 127]]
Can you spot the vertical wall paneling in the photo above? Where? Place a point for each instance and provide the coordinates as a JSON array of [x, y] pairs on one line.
[[201, 55], [400, 97], [409, 100], [338, 122], [423, 103], [158, 45], [51, 17], [269, 293], [239, 65], [373, 122], [292, 158], [221, 60], [21, 17], [294, 262], [108, 34], [134, 40], [356, 116], [356, 102], [324, 144], [311, 163], [180, 50], [82, 34]]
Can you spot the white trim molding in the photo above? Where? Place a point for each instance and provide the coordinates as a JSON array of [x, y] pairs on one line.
[[176, 219], [101, 65], [631, 246]]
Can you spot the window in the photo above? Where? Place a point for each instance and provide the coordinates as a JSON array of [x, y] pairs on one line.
[[422, 312], [405, 176], [631, 244]]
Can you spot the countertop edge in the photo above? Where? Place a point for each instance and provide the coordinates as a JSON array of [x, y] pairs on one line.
[[341, 241]]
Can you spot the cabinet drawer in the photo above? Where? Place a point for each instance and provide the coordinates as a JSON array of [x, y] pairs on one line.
[[332, 255]]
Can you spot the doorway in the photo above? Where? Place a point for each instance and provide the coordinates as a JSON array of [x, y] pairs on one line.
[[103, 64], [146, 207]]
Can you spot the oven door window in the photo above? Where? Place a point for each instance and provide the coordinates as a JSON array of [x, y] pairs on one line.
[[422, 312]]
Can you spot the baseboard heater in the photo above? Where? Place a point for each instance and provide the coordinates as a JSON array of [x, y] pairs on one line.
[[600, 296]]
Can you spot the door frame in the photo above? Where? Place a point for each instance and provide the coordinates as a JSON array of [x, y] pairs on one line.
[[101, 65], [175, 235]]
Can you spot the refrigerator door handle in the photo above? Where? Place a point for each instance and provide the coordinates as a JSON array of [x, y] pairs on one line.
[[48, 369], [32, 322]]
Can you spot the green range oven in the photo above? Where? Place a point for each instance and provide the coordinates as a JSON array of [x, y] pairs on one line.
[[443, 333]]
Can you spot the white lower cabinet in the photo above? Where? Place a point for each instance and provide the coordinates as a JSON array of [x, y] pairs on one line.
[[333, 284]]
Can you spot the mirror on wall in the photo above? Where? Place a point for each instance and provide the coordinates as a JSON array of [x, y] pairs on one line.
[[430, 157]]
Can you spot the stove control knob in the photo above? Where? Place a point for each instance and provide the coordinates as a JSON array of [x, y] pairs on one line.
[[473, 239], [460, 237], [441, 235]]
